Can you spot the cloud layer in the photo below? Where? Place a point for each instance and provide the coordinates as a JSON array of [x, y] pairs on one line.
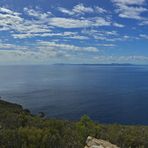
[[81, 33]]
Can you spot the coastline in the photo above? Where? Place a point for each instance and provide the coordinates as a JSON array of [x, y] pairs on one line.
[[36, 129]]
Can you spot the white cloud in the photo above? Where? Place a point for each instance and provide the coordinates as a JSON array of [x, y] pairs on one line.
[[118, 25], [81, 9], [100, 10], [145, 22], [51, 51], [65, 11], [121, 59], [82, 23], [67, 47], [79, 37], [143, 36], [131, 9], [37, 14], [22, 57], [78, 23], [42, 51], [129, 2], [8, 46], [9, 19], [41, 24], [67, 35], [108, 36], [14, 22], [132, 12], [102, 34], [8, 11], [38, 34], [107, 45]]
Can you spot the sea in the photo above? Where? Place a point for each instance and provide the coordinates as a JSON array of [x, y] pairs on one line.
[[106, 93]]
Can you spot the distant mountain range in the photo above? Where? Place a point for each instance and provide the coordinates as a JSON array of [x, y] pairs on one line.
[[112, 64]]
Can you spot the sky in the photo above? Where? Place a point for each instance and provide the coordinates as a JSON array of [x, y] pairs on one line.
[[73, 31]]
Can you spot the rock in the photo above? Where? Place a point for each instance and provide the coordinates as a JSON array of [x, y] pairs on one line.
[[98, 143], [41, 114]]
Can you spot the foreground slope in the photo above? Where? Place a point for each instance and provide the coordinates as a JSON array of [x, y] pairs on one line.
[[20, 129]]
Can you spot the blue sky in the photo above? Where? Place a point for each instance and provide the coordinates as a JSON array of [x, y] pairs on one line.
[[73, 31]]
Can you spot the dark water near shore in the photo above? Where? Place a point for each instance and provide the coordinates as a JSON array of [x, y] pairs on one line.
[[108, 94]]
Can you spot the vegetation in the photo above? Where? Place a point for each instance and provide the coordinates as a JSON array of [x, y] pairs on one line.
[[20, 129]]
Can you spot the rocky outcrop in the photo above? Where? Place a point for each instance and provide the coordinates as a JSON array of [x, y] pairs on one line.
[[98, 143]]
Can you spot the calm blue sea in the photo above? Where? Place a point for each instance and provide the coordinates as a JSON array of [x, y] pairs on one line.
[[108, 94]]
